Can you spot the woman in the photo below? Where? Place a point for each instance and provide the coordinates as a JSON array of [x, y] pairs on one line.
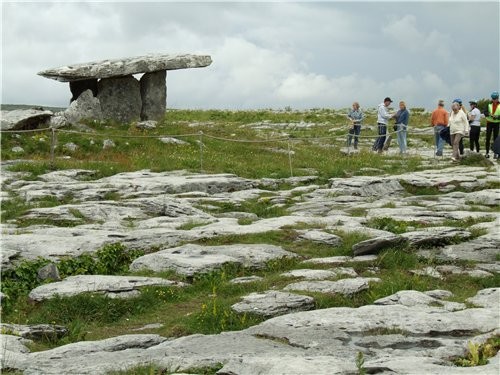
[[459, 127], [475, 126], [356, 116], [402, 117]]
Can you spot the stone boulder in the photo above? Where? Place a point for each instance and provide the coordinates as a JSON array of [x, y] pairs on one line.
[[321, 237], [321, 274], [24, 119], [273, 303], [111, 285], [192, 259], [413, 298], [86, 106]]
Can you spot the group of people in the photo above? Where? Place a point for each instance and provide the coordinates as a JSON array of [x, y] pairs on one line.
[[450, 127], [454, 126]]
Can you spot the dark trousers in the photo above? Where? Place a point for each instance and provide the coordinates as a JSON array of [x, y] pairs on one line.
[[474, 133], [491, 127], [356, 129], [379, 142]]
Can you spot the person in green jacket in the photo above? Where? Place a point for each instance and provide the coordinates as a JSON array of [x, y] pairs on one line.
[[492, 122]]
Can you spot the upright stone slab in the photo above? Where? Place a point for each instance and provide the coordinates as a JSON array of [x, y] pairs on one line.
[[154, 95], [85, 107], [120, 98]]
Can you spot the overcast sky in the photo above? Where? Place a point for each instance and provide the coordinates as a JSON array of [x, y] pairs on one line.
[[267, 54]]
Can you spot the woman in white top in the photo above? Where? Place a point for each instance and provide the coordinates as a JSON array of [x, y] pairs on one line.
[[459, 127], [475, 126]]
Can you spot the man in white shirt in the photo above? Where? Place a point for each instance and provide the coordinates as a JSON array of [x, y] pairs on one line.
[[383, 117], [475, 126]]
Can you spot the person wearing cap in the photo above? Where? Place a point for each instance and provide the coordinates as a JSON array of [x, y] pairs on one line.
[[383, 116], [459, 127], [492, 122], [439, 121], [475, 126], [402, 117]]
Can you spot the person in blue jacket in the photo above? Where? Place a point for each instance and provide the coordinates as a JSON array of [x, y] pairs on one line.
[[402, 117]]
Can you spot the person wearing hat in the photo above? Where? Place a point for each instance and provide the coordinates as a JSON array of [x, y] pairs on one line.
[[475, 126], [383, 116], [439, 121], [459, 127], [492, 122]]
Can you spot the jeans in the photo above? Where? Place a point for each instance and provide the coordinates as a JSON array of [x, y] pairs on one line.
[[402, 131], [439, 142], [455, 141], [491, 127], [379, 142], [475, 131], [356, 129]]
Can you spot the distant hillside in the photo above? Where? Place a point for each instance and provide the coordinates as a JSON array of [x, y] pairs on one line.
[[11, 107]]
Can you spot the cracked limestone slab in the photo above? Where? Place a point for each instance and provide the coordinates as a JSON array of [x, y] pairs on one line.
[[74, 285], [311, 274], [343, 286], [273, 303]]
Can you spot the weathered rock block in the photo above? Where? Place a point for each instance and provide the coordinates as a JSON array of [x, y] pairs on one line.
[[154, 95], [87, 106], [120, 98]]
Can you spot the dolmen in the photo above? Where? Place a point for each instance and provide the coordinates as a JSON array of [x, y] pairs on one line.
[[108, 90]]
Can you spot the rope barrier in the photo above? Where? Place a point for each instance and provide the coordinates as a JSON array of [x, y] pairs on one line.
[[25, 131]]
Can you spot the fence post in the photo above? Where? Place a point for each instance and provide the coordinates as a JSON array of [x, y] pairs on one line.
[[52, 147], [290, 158], [201, 150]]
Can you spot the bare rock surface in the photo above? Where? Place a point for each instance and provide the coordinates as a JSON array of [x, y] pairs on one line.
[[321, 237], [192, 259], [416, 339], [412, 298], [74, 285], [436, 236], [35, 331], [321, 274], [273, 303], [125, 66], [377, 244]]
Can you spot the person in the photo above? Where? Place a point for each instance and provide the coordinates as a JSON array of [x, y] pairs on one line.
[[439, 121], [475, 126], [492, 123], [462, 108], [402, 117], [383, 116], [356, 116], [459, 126]]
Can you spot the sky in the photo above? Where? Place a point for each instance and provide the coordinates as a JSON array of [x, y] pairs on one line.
[[265, 54]]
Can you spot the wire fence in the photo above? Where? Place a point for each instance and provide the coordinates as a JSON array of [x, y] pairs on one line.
[[201, 135]]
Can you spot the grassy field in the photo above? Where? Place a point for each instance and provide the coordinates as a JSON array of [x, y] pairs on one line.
[[240, 142]]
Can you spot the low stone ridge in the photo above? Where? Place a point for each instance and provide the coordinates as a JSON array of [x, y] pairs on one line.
[[35, 331], [342, 259], [345, 287], [24, 119], [394, 339], [436, 236], [376, 245], [192, 259], [321, 237], [246, 279], [113, 285], [125, 67], [411, 298], [273, 303], [321, 274]]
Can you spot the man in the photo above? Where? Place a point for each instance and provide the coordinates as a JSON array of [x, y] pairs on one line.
[[383, 117], [492, 122], [439, 121]]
